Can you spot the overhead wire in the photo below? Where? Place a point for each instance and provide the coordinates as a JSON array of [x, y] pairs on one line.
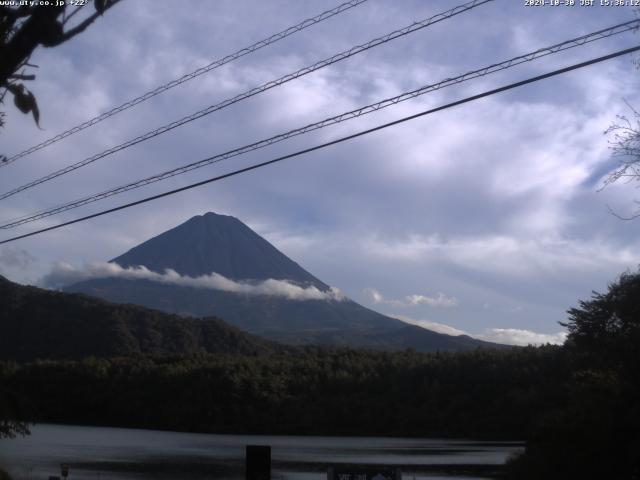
[[187, 77], [332, 142], [373, 107], [254, 91]]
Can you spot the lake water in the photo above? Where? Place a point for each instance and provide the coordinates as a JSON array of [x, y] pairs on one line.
[[125, 454]]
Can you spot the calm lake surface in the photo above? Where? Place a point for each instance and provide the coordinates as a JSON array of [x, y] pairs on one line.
[[126, 454]]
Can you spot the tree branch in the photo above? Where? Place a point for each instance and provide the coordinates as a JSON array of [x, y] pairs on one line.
[[620, 217], [26, 39], [70, 16], [81, 27], [15, 13], [19, 76]]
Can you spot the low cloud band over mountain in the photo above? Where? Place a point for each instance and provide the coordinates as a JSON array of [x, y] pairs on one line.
[[66, 274]]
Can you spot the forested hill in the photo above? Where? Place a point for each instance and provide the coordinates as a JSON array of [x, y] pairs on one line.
[[37, 323]]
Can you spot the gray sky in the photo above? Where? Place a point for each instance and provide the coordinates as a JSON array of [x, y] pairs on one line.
[[484, 218]]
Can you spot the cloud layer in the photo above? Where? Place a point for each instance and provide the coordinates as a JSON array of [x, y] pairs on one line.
[[66, 274], [439, 300], [434, 326], [495, 201], [15, 257], [514, 336], [508, 336]]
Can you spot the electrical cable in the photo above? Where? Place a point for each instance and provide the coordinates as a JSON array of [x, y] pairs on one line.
[[254, 91], [185, 78], [600, 34], [332, 142]]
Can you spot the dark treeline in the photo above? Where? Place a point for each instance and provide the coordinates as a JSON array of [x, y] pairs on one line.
[[594, 431], [578, 406], [37, 323], [484, 393]]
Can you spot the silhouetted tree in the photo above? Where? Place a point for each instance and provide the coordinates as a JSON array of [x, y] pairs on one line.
[[625, 144], [594, 432], [25, 27], [605, 331]]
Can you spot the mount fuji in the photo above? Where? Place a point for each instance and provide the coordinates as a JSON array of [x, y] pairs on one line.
[[216, 265]]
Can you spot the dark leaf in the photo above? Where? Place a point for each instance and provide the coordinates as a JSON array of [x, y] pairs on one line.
[[15, 89], [21, 98], [99, 5], [25, 101], [34, 108], [52, 33]]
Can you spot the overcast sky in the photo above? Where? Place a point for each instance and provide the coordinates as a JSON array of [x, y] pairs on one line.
[[484, 219]]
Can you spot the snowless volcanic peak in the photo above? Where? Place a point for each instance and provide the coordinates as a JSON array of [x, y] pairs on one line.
[[221, 244], [216, 243]]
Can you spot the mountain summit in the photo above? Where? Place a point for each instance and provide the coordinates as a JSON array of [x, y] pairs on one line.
[[260, 279], [216, 243]]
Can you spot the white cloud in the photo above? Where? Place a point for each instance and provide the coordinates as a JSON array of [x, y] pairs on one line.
[[66, 274], [439, 300], [514, 336], [434, 326], [509, 254], [375, 295], [507, 336]]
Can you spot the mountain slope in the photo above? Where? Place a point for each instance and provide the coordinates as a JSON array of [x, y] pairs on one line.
[[216, 243], [292, 322], [37, 323], [220, 244]]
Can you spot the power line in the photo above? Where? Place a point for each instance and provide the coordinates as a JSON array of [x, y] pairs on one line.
[[575, 42], [333, 142], [189, 76], [254, 91]]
